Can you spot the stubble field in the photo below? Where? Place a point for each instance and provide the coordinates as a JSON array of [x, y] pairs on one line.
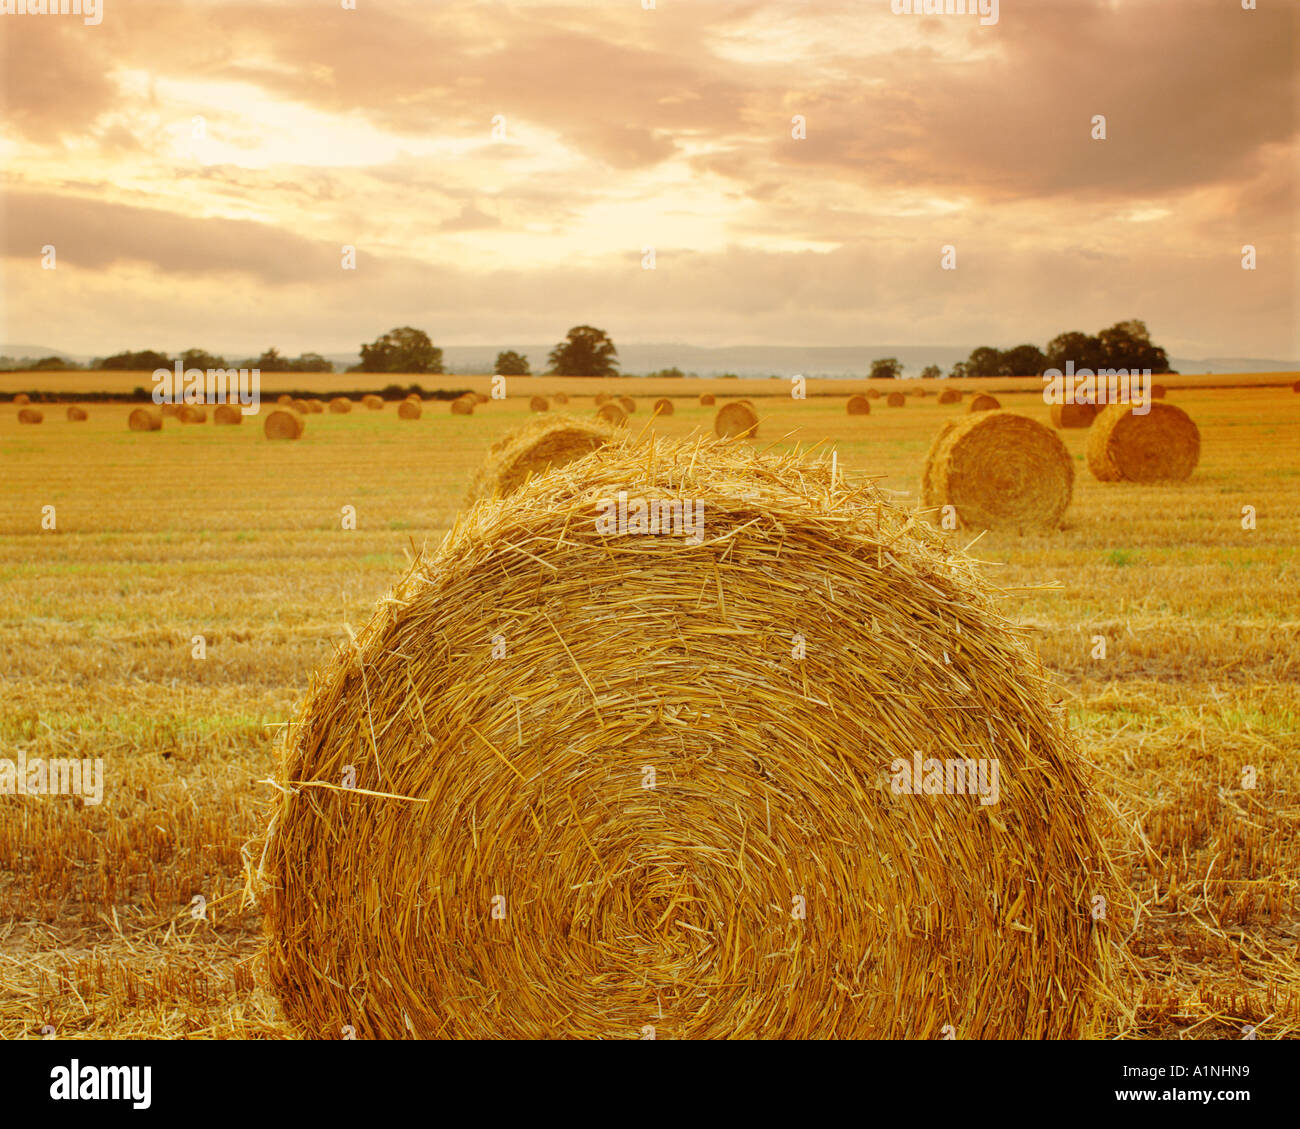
[[214, 531]]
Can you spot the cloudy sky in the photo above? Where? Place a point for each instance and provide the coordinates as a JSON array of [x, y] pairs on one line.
[[500, 167]]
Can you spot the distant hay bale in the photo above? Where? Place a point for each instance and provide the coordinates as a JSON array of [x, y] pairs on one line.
[[706, 400], [872, 393], [603, 398], [497, 866], [1159, 391], [463, 406], [170, 410], [533, 450], [22, 398], [896, 400], [1296, 386], [983, 402], [859, 406], [282, 425], [284, 399], [736, 420], [539, 404], [192, 413], [75, 413], [1000, 471], [341, 405], [921, 392], [627, 404], [663, 406], [301, 407], [227, 415], [561, 398], [30, 415], [1073, 415], [315, 407], [144, 419], [950, 396], [415, 396], [373, 403], [1163, 445], [612, 414], [409, 409]]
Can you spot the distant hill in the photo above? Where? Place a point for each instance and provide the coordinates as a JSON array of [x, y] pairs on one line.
[[743, 360]]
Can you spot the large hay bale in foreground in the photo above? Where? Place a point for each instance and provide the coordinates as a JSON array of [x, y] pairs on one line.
[[1073, 415], [280, 424], [896, 400], [612, 414], [340, 405], [227, 415], [859, 406], [663, 406], [409, 409], [570, 782], [1163, 445], [999, 470], [463, 405], [950, 396], [144, 419], [76, 414], [373, 403], [539, 404], [192, 413], [983, 402], [706, 400], [736, 420], [533, 450], [30, 415]]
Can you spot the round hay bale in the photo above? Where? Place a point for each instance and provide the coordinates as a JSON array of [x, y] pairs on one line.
[[539, 404], [480, 398], [415, 396], [192, 413], [663, 406], [282, 425], [872, 393], [463, 406], [341, 405], [227, 415], [922, 392], [373, 403], [736, 420], [316, 407], [950, 396], [144, 419], [170, 410], [1296, 386], [601, 823], [534, 449], [21, 398], [999, 470], [627, 404], [983, 402], [1159, 391], [895, 399], [284, 399], [1073, 415], [612, 414], [301, 407], [76, 414], [859, 406], [561, 398], [30, 415], [409, 409], [706, 400], [603, 398], [1163, 445]]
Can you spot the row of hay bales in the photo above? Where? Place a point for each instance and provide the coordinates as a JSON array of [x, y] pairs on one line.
[[501, 864], [30, 415]]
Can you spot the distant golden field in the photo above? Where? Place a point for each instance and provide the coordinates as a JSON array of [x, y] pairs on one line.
[[214, 531]]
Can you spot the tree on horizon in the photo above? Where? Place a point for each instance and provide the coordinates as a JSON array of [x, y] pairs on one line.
[[586, 351]]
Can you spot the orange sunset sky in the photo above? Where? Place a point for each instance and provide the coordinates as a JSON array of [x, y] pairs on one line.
[[671, 128]]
